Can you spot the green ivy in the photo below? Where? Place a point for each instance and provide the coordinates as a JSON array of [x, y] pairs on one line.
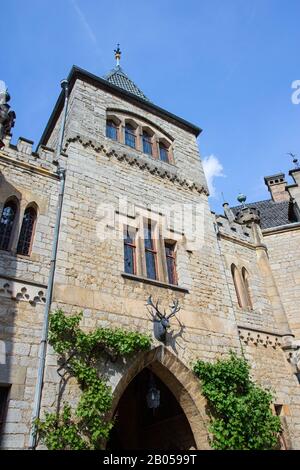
[[240, 410], [87, 427]]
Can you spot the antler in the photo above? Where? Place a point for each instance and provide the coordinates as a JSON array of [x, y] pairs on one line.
[[174, 308], [155, 307]]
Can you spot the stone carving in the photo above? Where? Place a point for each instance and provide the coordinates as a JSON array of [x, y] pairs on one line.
[[16, 290], [291, 347], [259, 338], [7, 116]]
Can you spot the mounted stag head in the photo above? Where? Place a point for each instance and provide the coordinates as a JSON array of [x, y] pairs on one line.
[[161, 320]]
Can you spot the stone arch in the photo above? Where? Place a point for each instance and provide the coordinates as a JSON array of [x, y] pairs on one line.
[[181, 382]]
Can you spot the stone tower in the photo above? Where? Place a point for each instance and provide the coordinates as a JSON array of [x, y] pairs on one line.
[[135, 223]]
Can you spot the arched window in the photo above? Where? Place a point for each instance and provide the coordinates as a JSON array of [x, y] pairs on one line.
[[163, 152], [27, 232], [245, 277], [129, 135], [147, 144], [7, 223], [111, 129], [238, 284]]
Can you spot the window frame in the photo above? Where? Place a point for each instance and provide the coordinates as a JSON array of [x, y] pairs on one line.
[[153, 249], [131, 133], [172, 244], [115, 126], [147, 142], [8, 203], [30, 207], [245, 279], [133, 247], [237, 281], [162, 145]]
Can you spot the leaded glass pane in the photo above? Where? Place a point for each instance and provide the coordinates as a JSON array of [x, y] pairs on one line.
[[150, 264], [111, 130], [26, 233], [6, 224]]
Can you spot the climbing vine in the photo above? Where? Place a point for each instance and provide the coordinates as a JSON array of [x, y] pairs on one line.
[[87, 427], [241, 415]]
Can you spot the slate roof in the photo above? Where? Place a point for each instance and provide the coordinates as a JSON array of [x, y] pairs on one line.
[[119, 78], [272, 214]]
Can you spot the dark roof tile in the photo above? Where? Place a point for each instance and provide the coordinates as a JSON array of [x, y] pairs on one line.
[[119, 78]]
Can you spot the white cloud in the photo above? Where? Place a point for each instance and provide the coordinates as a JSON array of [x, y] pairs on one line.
[[2, 86], [84, 22], [212, 169]]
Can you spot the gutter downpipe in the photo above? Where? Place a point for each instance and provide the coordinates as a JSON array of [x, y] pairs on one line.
[[44, 338]]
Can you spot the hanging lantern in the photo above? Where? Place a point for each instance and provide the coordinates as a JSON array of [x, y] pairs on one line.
[[153, 395]]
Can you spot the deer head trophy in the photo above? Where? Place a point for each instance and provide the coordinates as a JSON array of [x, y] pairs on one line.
[[161, 320]]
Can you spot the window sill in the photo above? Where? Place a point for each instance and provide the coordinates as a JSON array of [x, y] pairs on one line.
[[11, 253], [154, 282]]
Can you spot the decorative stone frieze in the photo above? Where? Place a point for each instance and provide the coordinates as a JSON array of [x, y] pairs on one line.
[[259, 338], [16, 290], [141, 162]]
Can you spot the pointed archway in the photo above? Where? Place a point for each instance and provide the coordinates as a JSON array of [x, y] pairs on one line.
[[175, 378]]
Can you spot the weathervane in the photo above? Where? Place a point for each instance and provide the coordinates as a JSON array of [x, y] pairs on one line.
[[118, 54], [161, 320], [295, 159]]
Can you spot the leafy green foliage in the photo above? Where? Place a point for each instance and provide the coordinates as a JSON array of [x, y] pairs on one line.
[[241, 415], [88, 426]]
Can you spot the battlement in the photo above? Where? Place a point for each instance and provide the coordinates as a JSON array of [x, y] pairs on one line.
[[42, 159], [233, 229]]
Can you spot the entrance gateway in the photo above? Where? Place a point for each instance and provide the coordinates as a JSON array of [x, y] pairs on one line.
[[158, 406]]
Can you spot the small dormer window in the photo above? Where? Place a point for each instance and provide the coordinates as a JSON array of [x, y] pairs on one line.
[[130, 135], [163, 152], [147, 144], [111, 129]]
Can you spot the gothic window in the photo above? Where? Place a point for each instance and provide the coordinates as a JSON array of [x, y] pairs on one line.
[[7, 223], [245, 277], [163, 152], [27, 231], [130, 250], [242, 288], [171, 262], [147, 144], [111, 130], [237, 284], [150, 252], [130, 135]]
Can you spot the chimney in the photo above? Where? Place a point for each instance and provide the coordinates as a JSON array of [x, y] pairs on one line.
[[276, 185]]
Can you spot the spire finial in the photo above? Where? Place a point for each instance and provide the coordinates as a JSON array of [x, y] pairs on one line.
[[242, 199], [118, 54], [295, 159]]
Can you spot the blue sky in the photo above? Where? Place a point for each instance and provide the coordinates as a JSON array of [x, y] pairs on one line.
[[225, 65]]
